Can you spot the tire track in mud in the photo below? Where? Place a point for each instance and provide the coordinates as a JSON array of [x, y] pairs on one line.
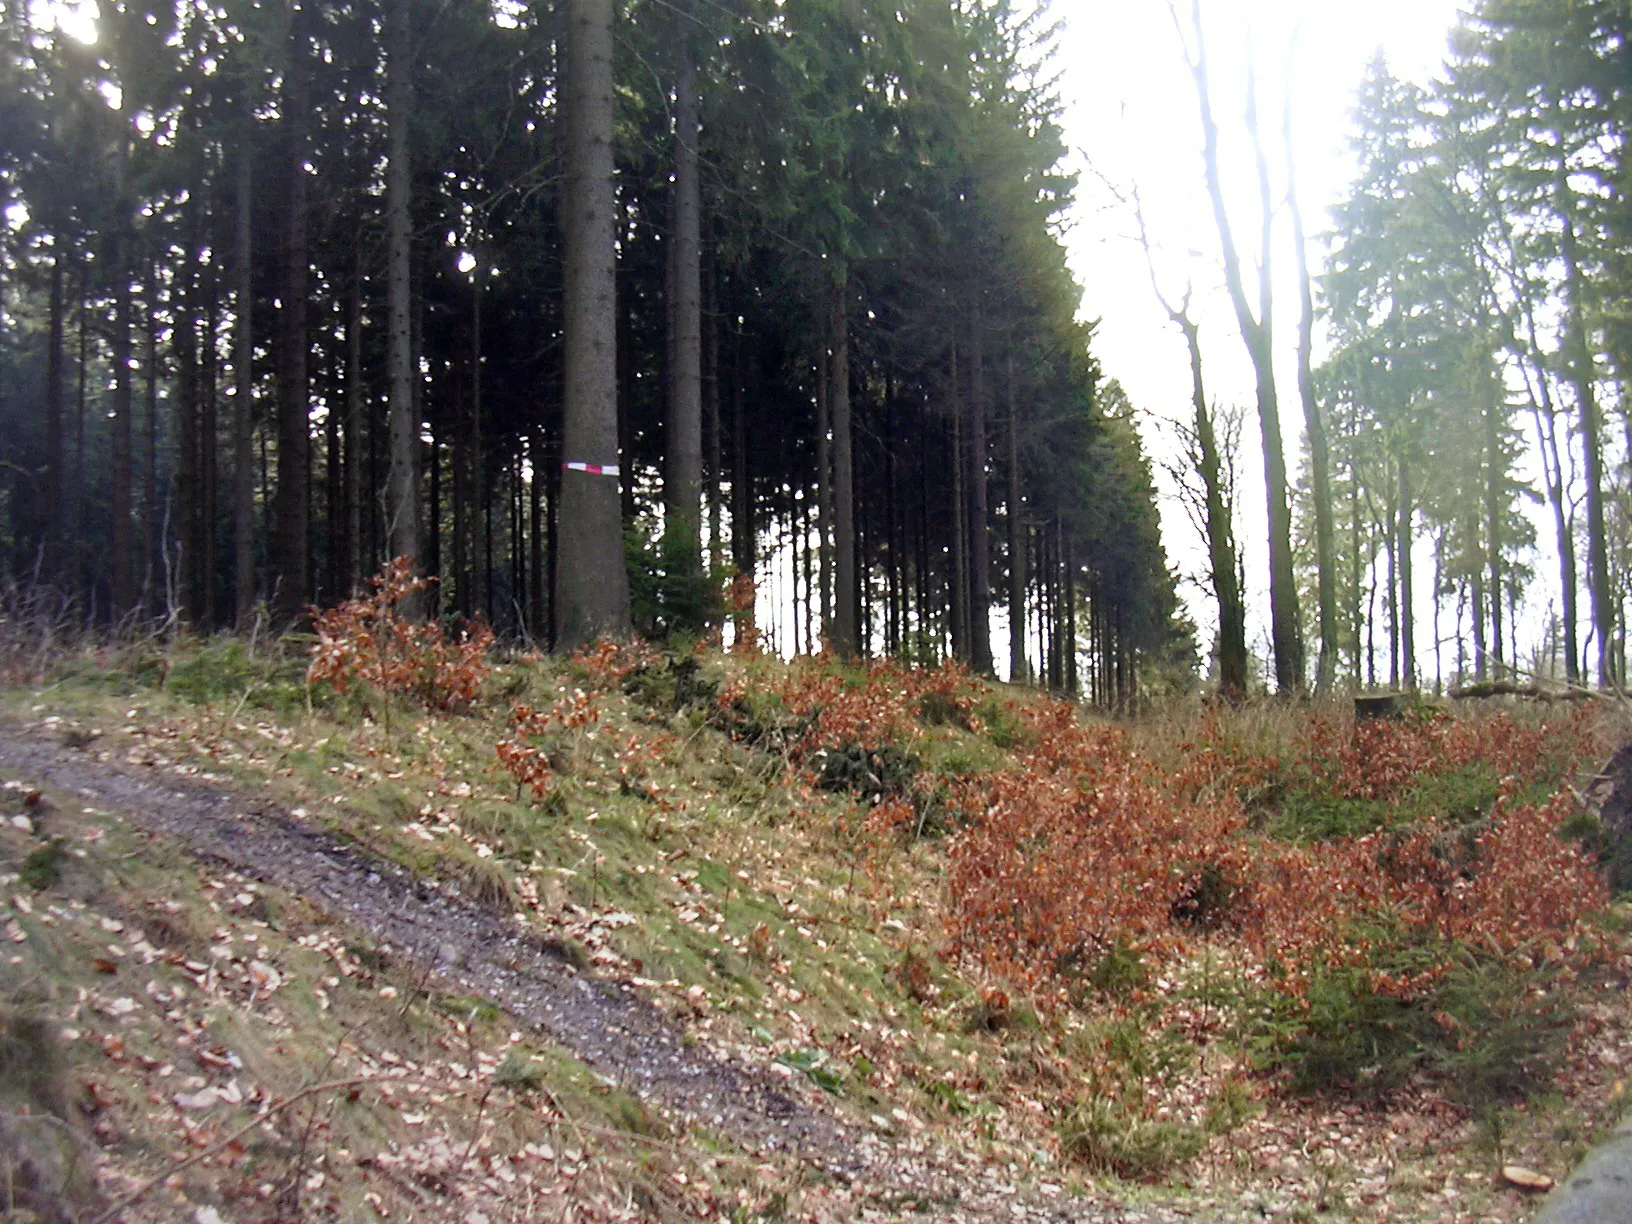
[[603, 1023]]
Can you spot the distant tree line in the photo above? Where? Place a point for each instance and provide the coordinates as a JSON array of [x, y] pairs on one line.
[[1480, 298], [288, 289]]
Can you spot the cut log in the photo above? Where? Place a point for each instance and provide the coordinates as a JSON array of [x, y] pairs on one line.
[[1526, 1179]]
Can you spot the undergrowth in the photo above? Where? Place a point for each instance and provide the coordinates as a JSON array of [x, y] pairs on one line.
[[907, 886]]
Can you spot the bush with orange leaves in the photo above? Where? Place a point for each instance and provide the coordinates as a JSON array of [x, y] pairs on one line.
[[883, 705], [531, 753], [1083, 847], [369, 639]]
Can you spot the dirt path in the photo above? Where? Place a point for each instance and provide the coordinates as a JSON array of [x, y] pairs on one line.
[[602, 1023]]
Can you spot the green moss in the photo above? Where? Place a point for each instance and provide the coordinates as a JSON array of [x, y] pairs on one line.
[[42, 867]]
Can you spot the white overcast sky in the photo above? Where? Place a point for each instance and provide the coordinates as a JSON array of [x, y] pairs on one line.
[[1131, 116]]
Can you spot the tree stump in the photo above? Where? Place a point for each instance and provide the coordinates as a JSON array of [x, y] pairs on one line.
[[1380, 705]]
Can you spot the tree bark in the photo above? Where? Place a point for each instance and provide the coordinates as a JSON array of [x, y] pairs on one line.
[[403, 528], [846, 611], [352, 547], [824, 480], [294, 405], [56, 527], [683, 481], [1407, 605], [150, 465], [537, 626], [1017, 533], [1493, 506], [712, 426], [209, 421], [1582, 376], [1069, 570], [1222, 557], [1314, 424], [121, 536], [1257, 334], [184, 340], [980, 553], [744, 548], [592, 583], [243, 417], [958, 520]]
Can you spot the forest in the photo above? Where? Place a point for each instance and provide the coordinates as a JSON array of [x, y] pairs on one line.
[[587, 633], [287, 291], [265, 262], [1480, 303]]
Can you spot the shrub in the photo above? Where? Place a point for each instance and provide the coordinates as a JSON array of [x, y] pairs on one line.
[[371, 639], [670, 589], [1483, 1032], [1106, 1137], [537, 750], [225, 668]]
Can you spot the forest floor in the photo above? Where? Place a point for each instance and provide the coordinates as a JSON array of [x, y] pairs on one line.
[[277, 953]]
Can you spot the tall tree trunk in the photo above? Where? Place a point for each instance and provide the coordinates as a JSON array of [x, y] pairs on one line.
[[712, 426], [1222, 557], [121, 536], [189, 383], [1391, 534], [1544, 415], [536, 625], [743, 544], [487, 542], [1257, 334], [846, 611], [958, 521], [1069, 570], [1356, 564], [77, 489], [463, 597], [1493, 508], [1408, 619], [824, 480], [56, 529], [683, 479], [1017, 532], [479, 458], [980, 555], [333, 468], [552, 535], [592, 584], [1314, 424], [150, 465], [402, 508], [1582, 378], [243, 417], [294, 405], [629, 307], [892, 526], [356, 453], [209, 421]]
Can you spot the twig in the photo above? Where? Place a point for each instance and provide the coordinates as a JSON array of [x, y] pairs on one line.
[[147, 1187]]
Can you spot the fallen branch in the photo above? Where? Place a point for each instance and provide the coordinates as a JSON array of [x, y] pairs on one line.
[[141, 1191], [1507, 688]]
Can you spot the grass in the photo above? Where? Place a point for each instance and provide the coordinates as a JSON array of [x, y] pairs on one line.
[[769, 919], [158, 954]]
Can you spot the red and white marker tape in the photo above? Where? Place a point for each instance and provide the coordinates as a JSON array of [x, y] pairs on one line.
[[594, 469]]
